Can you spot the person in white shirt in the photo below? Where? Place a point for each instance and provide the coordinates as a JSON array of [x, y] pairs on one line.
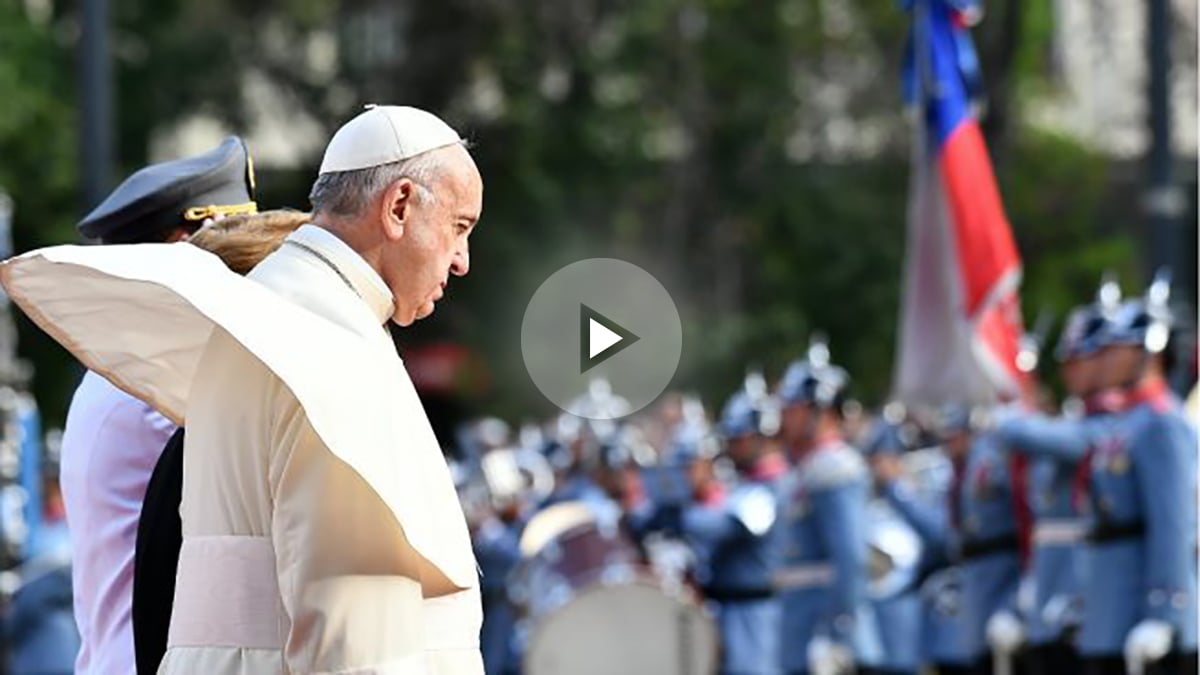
[[112, 440]]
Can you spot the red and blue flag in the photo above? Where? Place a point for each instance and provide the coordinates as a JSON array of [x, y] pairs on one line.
[[960, 325]]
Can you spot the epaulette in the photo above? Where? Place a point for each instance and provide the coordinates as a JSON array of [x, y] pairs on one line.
[[833, 467], [755, 507]]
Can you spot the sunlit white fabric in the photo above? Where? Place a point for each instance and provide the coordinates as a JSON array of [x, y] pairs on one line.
[[303, 429]]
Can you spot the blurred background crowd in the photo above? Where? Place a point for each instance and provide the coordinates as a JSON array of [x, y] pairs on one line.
[[820, 536], [755, 156]]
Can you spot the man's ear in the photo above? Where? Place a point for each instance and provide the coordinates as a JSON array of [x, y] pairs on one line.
[[396, 207]]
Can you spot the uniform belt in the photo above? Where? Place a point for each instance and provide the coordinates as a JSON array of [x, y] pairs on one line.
[[979, 548], [1059, 532], [1107, 532], [728, 595], [227, 595], [817, 575]]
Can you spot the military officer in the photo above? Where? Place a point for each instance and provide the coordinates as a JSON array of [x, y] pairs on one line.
[[738, 536], [684, 474], [1056, 446], [926, 505], [581, 433], [828, 624], [898, 614], [994, 530], [496, 547], [37, 624], [495, 537], [1141, 589], [112, 441], [990, 518]]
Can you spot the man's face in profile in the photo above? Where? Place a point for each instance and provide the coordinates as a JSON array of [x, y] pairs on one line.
[[1078, 375], [1120, 365], [796, 423], [438, 221]]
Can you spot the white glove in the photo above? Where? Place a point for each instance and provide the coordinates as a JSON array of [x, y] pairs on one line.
[[1026, 595], [1005, 632], [826, 657], [1149, 641]]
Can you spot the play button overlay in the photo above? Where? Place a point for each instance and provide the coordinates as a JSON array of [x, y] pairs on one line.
[[600, 338], [601, 325]]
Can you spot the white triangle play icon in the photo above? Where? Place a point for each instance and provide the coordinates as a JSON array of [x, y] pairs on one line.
[[600, 338]]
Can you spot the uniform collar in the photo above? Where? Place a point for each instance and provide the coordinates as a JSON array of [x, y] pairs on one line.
[[349, 265], [711, 494], [770, 466], [828, 440], [1105, 402], [824, 441], [1153, 392]]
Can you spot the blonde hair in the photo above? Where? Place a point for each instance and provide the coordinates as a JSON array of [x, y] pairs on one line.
[[241, 242]]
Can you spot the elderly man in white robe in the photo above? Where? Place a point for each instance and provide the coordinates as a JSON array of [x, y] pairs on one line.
[[321, 530]]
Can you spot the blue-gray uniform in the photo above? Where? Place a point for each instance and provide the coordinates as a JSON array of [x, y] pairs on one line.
[[899, 619], [943, 633], [669, 483], [991, 517], [1140, 465], [740, 540], [39, 627], [1056, 564], [1141, 593], [823, 580], [1142, 482], [899, 615], [1055, 447], [497, 550]]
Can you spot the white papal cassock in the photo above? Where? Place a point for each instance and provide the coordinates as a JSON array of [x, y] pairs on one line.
[[322, 532]]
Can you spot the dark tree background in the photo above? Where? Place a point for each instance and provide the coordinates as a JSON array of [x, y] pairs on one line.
[[752, 153]]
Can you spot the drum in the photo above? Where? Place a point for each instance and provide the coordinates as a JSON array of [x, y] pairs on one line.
[[590, 606], [632, 628], [895, 552], [586, 553]]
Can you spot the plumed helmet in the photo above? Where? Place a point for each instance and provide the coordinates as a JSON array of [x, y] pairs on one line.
[[750, 411], [1144, 322], [814, 380]]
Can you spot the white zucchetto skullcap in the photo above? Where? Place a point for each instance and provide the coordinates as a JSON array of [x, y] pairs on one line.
[[383, 134]]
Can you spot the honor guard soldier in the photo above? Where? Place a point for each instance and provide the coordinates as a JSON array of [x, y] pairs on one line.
[[1056, 447], [898, 610], [991, 519], [683, 475], [828, 626], [739, 536], [927, 505], [582, 432], [112, 441], [1140, 592], [495, 533], [994, 525], [38, 626]]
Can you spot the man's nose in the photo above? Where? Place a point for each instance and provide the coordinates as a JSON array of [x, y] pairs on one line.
[[461, 264]]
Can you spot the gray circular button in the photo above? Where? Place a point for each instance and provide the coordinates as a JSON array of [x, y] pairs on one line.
[[606, 322]]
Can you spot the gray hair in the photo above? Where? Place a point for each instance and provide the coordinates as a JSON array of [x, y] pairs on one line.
[[347, 193]]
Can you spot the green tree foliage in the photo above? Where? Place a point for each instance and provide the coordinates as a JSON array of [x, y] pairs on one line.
[[753, 154], [38, 152]]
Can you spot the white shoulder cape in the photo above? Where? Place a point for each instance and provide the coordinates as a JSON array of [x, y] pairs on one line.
[[140, 315]]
